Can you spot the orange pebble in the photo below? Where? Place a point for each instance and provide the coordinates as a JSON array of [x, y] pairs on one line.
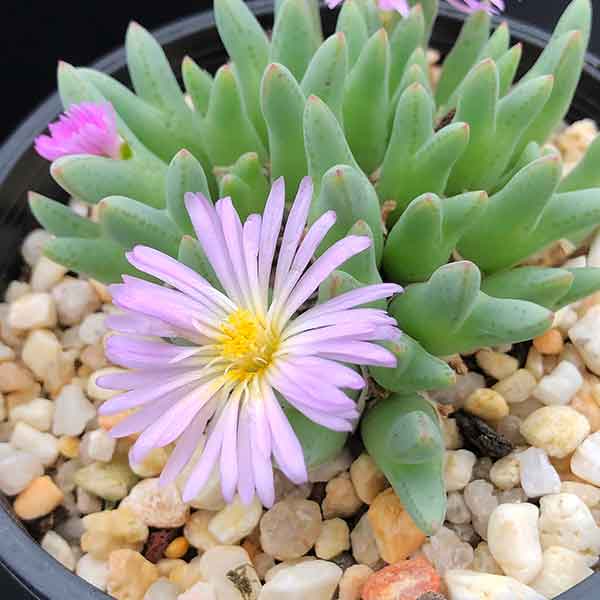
[[177, 548], [107, 422], [550, 342], [68, 446], [251, 548], [38, 499]]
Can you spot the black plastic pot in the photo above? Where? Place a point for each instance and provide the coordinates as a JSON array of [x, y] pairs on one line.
[[21, 170]]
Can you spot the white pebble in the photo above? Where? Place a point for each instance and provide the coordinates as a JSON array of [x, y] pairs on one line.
[[38, 413], [445, 550], [75, 299], [41, 352], [94, 571], [97, 445], [585, 462], [590, 494], [538, 476], [513, 540], [458, 469], [46, 274], [215, 565], [560, 386], [480, 498], [87, 503], [585, 334], [42, 445], [32, 311], [505, 473], [72, 411], [15, 290], [199, 591], [59, 549], [33, 245], [237, 520], [457, 511], [471, 585], [163, 589], [314, 579], [92, 328], [17, 470]]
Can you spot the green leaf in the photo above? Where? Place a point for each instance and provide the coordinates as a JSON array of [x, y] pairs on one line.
[[353, 25], [242, 196], [363, 266], [586, 281], [198, 84], [190, 253], [507, 65], [430, 11], [249, 169], [338, 283], [407, 36], [586, 173], [60, 220], [497, 45]]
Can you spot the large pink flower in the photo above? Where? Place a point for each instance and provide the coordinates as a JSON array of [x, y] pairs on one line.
[[86, 128], [244, 345], [468, 6]]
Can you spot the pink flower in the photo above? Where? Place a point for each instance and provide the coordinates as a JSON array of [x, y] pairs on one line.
[[402, 6], [86, 128], [493, 7], [245, 347]]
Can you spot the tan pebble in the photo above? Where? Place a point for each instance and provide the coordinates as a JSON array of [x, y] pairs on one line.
[[83, 372], [367, 478], [535, 363], [40, 350], [550, 342], [517, 387], [562, 465], [102, 291], [395, 532], [167, 565], [6, 353], [46, 274], [585, 404], [23, 397], [487, 404], [14, 377], [263, 563], [251, 547], [68, 446], [185, 576], [39, 498], [364, 545], [196, 530], [32, 311], [93, 356], [333, 539], [341, 499], [452, 438], [15, 290], [352, 582], [129, 575], [177, 548], [496, 364]]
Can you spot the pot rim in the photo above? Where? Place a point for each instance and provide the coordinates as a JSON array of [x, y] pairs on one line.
[[20, 556]]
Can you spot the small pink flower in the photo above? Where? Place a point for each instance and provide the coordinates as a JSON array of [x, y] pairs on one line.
[[402, 6], [493, 7], [86, 128]]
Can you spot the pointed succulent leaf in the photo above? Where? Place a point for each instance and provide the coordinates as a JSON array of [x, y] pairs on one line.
[[347, 192], [577, 16], [100, 259], [91, 178], [363, 266], [129, 222], [425, 235], [249, 169], [530, 153], [507, 65], [198, 84], [497, 44], [414, 73], [324, 140], [190, 253], [366, 103], [586, 281], [407, 36], [282, 103], [294, 40], [337, 283], [354, 27], [586, 173], [469, 45], [228, 130], [248, 46], [430, 11], [242, 196], [416, 370], [326, 73], [60, 220], [544, 286], [402, 435], [185, 174], [371, 14]]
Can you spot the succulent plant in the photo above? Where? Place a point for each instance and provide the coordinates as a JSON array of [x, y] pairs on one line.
[[453, 172]]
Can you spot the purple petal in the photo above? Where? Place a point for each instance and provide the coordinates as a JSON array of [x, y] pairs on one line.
[[246, 486], [358, 353], [228, 460], [139, 324]]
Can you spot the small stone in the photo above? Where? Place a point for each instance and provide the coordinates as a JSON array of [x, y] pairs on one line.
[[558, 430], [367, 478], [395, 532], [38, 413], [406, 580], [456, 394], [585, 462], [341, 499], [481, 501], [97, 445], [286, 564], [94, 571], [200, 591], [482, 468], [538, 476], [263, 563], [535, 363], [505, 473], [487, 404], [14, 378], [92, 328], [157, 506], [167, 565], [457, 511], [59, 549], [562, 569], [513, 496], [550, 342], [588, 493], [517, 387], [445, 550], [33, 245], [65, 475], [471, 585], [510, 429], [75, 299], [210, 496], [364, 545], [93, 357], [585, 335], [38, 499], [71, 529], [32, 311], [585, 404], [484, 562], [15, 290], [110, 481], [333, 539], [129, 575], [40, 351], [290, 528], [465, 531], [315, 579], [560, 386], [157, 543], [566, 521], [513, 540], [111, 530], [330, 469], [196, 530], [237, 520], [496, 364], [479, 437], [458, 469], [452, 438], [72, 411], [353, 581], [43, 445], [177, 548], [17, 470], [46, 274], [152, 465], [185, 575], [88, 503], [163, 589]]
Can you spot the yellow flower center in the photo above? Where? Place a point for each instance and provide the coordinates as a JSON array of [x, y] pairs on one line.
[[249, 344]]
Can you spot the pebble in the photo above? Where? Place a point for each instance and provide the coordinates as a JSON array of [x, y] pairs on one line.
[[196, 530], [111, 530], [38, 413], [364, 545], [341, 499], [71, 529], [558, 430], [185, 575], [560, 386], [177, 548], [92, 328], [72, 411], [407, 580], [328, 470], [41, 351], [32, 311], [210, 497], [535, 363], [59, 549], [32, 247], [457, 511], [395, 532], [333, 539], [14, 378], [152, 465], [46, 274], [163, 589], [538, 476], [588, 493], [550, 342], [110, 481], [286, 564], [585, 462], [263, 563], [513, 540], [129, 575], [566, 521], [65, 475], [367, 478], [16, 289], [284, 488], [38, 499], [97, 445], [17, 470], [585, 335], [94, 571], [496, 364], [87, 503], [586, 404], [484, 562], [315, 579], [517, 387], [458, 469], [74, 299], [199, 591], [353, 581], [237, 520], [452, 438], [487, 404], [481, 501], [510, 429], [471, 585], [43, 445], [445, 550], [505, 473]]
